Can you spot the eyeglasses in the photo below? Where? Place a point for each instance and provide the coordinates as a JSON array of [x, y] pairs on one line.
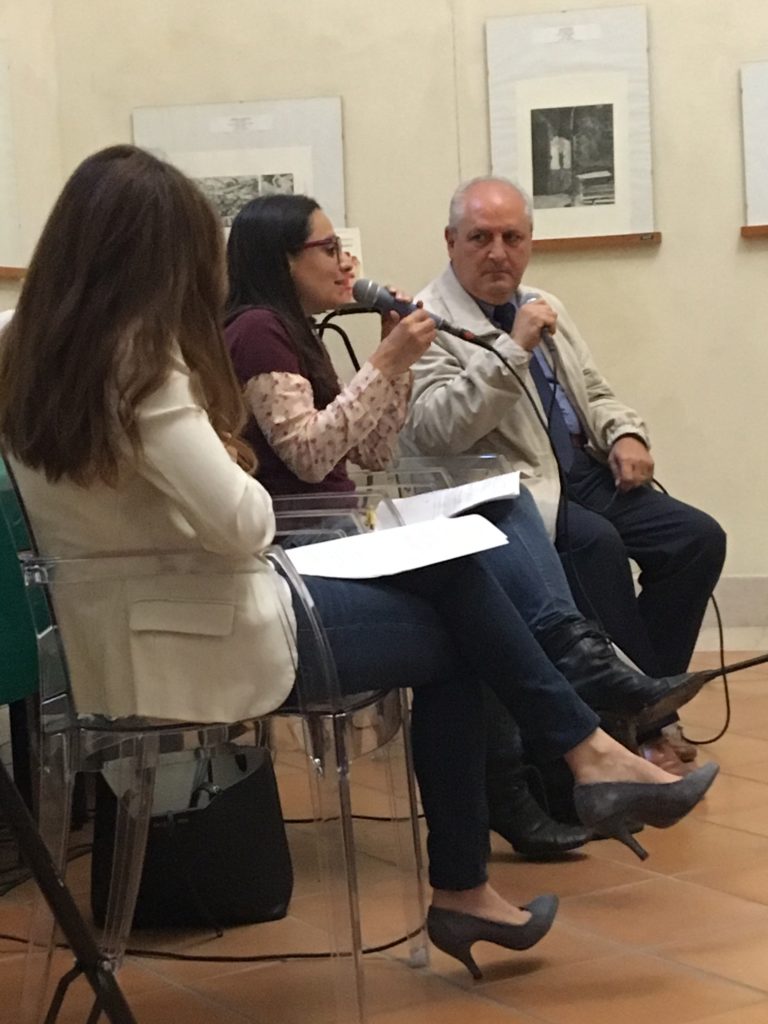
[[330, 245]]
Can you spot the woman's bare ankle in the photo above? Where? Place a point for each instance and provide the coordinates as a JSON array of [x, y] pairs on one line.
[[600, 758], [481, 901]]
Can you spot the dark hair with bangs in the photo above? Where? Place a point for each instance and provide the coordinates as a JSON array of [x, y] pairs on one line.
[[263, 235], [129, 263]]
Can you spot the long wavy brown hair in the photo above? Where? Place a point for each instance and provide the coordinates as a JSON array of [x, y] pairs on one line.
[[130, 263]]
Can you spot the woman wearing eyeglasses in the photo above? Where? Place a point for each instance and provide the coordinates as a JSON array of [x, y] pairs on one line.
[[269, 330]]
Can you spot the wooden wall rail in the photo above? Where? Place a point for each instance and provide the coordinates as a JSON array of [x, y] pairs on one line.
[[596, 242]]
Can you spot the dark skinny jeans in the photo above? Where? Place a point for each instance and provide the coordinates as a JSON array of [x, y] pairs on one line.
[[443, 631]]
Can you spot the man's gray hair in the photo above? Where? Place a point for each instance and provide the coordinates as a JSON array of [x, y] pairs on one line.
[[459, 197]]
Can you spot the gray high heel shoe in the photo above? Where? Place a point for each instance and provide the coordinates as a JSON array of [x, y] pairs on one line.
[[608, 807], [454, 932]]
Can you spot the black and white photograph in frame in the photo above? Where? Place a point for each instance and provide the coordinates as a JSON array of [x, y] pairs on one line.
[[569, 106], [236, 151], [229, 193], [572, 156]]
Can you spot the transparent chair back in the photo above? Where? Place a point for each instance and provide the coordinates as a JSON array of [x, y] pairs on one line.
[[130, 748]]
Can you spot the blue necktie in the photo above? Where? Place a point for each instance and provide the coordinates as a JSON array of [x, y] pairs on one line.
[[559, 434]]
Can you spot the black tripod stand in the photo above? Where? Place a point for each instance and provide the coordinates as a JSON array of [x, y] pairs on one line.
[[88, 960]]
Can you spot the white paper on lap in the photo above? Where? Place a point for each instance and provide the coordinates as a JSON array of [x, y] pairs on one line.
[[386, 552], [450, 501]]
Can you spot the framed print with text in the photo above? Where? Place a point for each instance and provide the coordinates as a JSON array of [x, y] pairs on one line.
[[570, 118]]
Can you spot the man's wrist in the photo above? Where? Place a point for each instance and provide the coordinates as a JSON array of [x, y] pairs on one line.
[[637, 437]]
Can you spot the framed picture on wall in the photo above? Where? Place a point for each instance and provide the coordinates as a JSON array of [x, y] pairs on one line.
[[570, 118], [754, 113], [237, 151]]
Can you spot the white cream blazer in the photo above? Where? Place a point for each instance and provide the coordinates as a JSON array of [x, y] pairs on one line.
[[208, 646]]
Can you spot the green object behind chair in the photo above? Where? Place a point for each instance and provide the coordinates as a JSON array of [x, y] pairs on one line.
[[18, 654]]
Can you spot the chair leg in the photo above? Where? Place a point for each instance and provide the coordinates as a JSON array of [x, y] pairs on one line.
[[55, 782], [336, 851], [410, 855], [109, 997], [21, 716], [136, 761], [89, 961], [135, 777]]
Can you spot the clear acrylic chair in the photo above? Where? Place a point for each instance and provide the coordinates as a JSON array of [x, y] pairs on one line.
[[18, 681], [370, 723], [70, 742]]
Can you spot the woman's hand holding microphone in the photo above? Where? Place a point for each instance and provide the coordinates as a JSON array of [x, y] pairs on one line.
[[404, 340]]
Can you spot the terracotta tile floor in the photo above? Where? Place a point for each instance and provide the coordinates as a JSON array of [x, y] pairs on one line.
[[679, 939]]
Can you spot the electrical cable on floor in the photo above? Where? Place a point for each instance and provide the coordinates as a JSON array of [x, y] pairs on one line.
[[162, 954], [355, 817]]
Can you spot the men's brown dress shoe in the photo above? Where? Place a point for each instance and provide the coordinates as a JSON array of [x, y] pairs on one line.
[[661, 752], [686, 751]]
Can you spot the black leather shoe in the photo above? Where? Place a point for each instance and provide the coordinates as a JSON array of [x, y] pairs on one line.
[[585, 656], [517, 817]]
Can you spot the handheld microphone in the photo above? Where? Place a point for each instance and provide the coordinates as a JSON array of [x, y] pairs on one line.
[[375, 296]]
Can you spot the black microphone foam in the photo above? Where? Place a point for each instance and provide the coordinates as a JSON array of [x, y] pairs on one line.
[[375, 296]]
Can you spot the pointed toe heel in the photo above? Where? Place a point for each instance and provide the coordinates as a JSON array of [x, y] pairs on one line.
[[454, 933], [608, 807]]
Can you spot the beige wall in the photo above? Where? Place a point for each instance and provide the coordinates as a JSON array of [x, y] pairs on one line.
[[680, 330], [26, 29]]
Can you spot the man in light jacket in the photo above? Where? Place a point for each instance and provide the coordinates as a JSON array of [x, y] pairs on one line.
[[555, 417]]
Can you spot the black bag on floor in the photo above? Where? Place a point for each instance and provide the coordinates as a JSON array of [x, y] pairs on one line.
[[223, 863]]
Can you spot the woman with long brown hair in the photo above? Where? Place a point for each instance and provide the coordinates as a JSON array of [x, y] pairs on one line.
[[116, 400]]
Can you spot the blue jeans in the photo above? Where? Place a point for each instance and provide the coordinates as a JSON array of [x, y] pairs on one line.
[[528, 567], [444, 630]]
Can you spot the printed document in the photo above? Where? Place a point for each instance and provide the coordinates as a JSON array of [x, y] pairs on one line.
[[449, 501], [386, 552]]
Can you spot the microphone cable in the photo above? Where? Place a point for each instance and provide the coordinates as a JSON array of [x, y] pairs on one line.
[[561, 518], [721, 655], [562, 511], [562, 522]]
